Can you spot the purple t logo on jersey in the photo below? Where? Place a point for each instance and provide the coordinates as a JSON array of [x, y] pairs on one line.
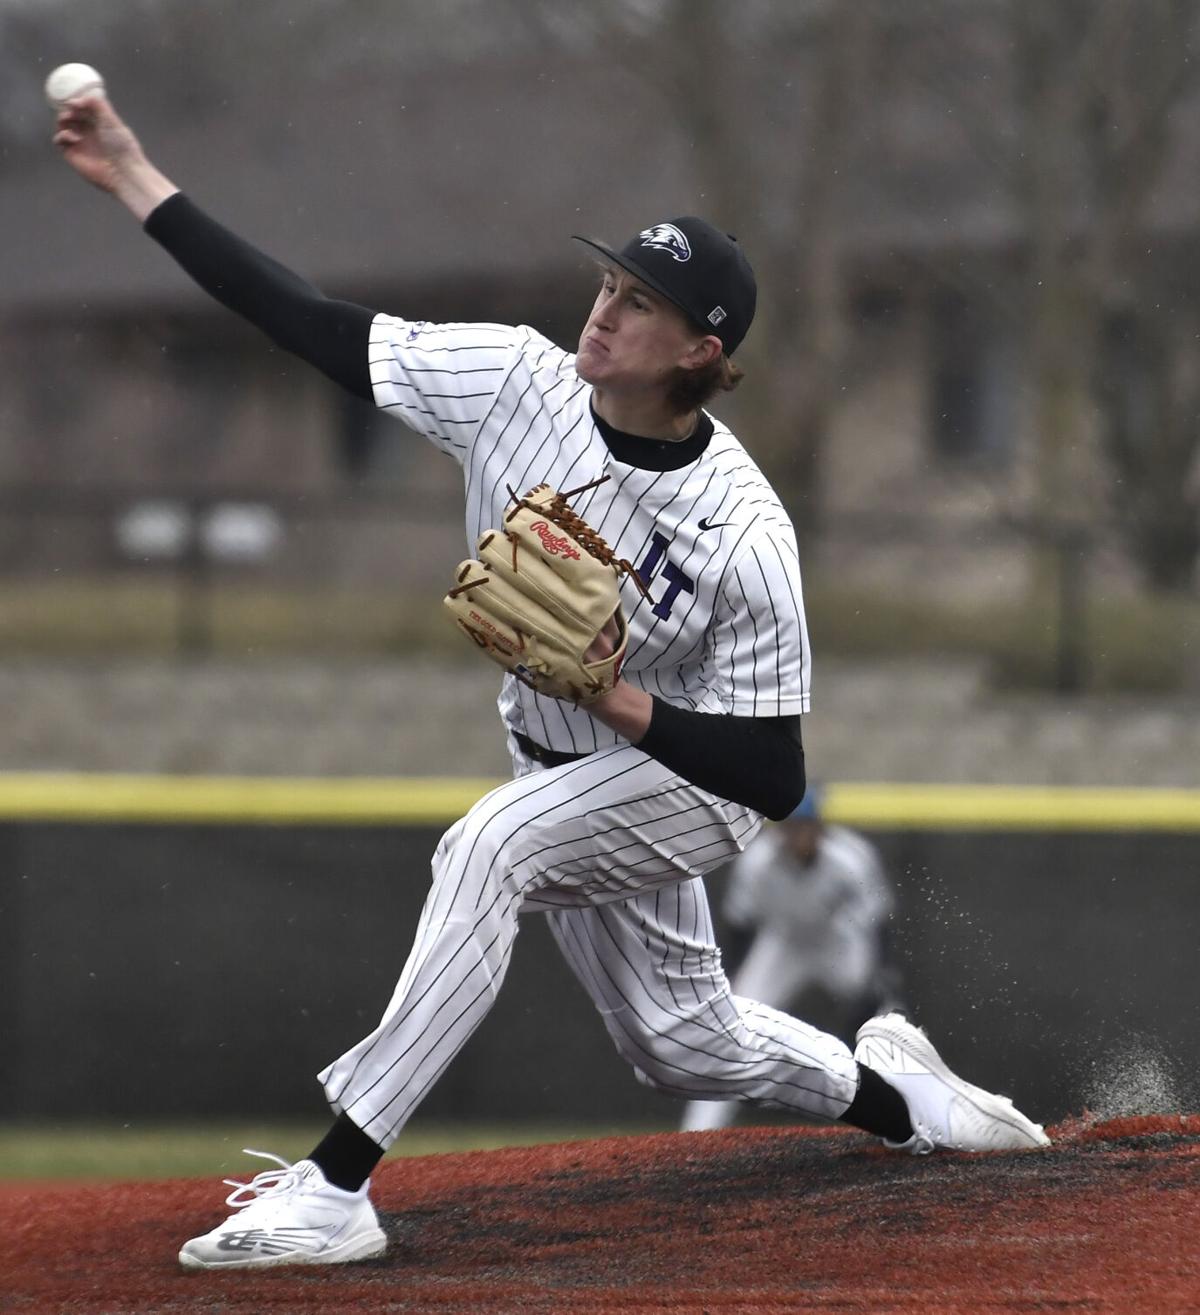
[[677, 582]]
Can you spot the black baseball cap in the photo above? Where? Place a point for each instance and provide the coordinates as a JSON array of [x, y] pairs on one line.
[[697, 267]]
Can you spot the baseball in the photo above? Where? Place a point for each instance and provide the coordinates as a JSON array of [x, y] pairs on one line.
[[71, 80]]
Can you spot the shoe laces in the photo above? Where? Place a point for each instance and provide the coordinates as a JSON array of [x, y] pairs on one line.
[[274, 1183]]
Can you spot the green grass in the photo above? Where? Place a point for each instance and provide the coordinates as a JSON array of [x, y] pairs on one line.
[[119, 1151], [1136, 642], [1139, 644], [101, 617]]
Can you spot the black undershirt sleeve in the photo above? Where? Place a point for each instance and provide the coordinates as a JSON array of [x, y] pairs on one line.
[[331, 335], [756, 761]]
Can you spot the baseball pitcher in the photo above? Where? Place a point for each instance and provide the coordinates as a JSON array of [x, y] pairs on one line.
[[635, 575]]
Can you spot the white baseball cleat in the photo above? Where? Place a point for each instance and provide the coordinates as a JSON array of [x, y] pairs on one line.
[[288, 1216], [945, 1111]]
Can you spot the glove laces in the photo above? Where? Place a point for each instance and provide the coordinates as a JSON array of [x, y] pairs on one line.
[[559, 510]]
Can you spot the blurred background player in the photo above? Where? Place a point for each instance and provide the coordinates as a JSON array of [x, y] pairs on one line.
[[807, 911]]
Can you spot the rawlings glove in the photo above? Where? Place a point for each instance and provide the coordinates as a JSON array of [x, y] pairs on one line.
[[541, 591]]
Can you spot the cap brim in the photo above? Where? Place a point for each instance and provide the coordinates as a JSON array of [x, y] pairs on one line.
[[632, 267]]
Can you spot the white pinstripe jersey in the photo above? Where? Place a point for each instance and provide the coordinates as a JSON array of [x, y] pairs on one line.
[[724, 627]]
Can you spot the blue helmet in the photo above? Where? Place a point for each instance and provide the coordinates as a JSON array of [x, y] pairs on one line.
[[809, 808]]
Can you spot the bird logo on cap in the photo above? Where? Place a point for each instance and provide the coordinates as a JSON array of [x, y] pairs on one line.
[[667, 238]]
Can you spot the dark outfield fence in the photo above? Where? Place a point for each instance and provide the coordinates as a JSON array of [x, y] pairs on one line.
[[199, 949]]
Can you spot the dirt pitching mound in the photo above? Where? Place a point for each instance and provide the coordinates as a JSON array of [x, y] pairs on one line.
[[750, 1220]]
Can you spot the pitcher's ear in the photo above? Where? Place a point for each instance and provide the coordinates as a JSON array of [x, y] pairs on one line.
[[704, 351]]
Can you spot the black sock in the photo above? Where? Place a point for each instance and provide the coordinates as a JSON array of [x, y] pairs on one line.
[[346, 1155], [879, 1108]]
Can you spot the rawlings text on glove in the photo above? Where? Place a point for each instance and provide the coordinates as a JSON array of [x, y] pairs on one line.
[[542, 589]]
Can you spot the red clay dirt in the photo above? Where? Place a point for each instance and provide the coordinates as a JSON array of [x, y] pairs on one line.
[[745, 1220]]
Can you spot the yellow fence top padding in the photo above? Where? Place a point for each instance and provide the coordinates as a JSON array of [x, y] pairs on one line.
[[226, 799], [411, 800], [1012, 808]]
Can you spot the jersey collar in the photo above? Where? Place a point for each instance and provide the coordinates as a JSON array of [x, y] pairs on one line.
[[654, 453]]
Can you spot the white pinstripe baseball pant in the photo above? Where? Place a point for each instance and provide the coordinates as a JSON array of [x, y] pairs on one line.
[[610, 848]]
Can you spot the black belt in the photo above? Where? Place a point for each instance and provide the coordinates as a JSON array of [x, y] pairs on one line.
[[547, 757]]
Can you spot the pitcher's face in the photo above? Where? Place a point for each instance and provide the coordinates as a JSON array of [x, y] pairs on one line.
[[634, 339]]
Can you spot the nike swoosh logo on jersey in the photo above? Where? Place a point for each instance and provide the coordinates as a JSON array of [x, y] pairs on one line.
[[704, 525]]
